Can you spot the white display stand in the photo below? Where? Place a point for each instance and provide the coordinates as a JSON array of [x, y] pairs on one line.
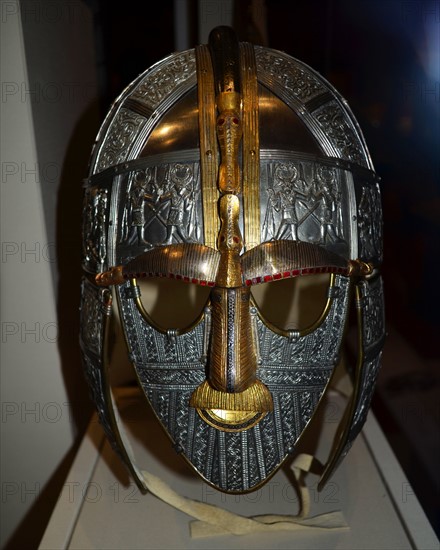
[[100, 507]]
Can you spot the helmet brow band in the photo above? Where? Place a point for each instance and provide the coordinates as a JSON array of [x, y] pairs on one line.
[[283, 259], [189, 262]]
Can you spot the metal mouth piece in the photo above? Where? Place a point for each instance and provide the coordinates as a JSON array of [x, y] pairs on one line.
[[230, 421]]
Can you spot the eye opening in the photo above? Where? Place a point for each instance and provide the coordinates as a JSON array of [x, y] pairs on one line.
[[169, 304], [297, 304]]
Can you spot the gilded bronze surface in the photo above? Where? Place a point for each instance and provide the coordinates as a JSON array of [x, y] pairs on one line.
[[229, 133], [232, 383], [208, 144], [251, 147]]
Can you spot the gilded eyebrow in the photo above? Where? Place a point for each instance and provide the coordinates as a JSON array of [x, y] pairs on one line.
[[190, 262], [282, 259]]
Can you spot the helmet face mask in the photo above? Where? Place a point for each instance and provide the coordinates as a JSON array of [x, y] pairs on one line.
[[225, 185]]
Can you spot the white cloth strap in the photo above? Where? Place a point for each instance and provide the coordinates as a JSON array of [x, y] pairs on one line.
[[212, 520]]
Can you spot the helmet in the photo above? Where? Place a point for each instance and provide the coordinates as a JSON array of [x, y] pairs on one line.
[[237, 179]]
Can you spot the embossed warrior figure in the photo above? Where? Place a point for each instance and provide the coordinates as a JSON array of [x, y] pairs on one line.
[[179, 195], [97, 244], [325, 192], [371, 234], [285, 200], [138, 196]]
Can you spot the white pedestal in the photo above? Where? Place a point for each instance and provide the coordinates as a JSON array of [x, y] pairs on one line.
[[99, 507]]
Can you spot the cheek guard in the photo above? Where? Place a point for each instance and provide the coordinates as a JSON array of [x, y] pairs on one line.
[[230, 168]]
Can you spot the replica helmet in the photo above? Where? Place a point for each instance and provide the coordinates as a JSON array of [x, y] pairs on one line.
[[237, 178]]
